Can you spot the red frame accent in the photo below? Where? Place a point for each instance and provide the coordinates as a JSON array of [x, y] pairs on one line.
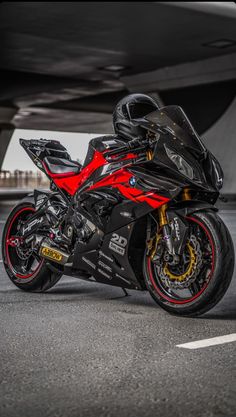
[[7, 244], [205, 286]]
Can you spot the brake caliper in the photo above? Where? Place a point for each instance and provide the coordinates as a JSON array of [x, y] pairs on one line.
[[177, 277]]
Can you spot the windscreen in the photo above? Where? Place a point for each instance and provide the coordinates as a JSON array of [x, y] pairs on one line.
[[174, 118]]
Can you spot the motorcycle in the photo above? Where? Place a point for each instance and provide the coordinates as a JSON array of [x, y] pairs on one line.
[[139, 215]]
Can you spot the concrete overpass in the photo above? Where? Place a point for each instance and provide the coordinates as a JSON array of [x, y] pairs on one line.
[[64, 65]]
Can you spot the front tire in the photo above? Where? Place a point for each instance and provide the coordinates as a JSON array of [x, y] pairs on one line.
[[39, 277], [209, 290]]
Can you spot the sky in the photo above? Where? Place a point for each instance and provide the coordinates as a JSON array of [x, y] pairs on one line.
[[17, 158]]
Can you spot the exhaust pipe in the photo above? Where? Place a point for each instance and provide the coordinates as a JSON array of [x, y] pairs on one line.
[[53, 254]]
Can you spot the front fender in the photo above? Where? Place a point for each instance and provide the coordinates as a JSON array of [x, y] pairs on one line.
[[187, 207], [176, 215]]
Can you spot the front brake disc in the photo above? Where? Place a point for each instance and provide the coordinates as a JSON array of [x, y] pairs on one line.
[[180, 281]]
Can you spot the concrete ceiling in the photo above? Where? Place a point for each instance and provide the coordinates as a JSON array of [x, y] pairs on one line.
[[56, 52]]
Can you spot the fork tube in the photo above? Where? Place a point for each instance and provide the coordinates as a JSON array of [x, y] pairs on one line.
[[163, 222]]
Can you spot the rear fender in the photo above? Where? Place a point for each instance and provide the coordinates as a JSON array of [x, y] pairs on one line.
[[28, 199], [38, 196]]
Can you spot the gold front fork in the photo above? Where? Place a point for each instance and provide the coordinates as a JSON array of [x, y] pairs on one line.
[[186, 194], [149, 154], [163, 221], [152, 244], [162, 215]]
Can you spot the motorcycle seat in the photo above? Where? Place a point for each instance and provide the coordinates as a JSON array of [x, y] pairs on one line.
[[61, 165]]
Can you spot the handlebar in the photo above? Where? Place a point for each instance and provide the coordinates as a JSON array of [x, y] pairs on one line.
[[139, 144], [135, 144]]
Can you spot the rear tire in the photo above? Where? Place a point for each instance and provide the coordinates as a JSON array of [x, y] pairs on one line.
[[39, 280], [221, 271]]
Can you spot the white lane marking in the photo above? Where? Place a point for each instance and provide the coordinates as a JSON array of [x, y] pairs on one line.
[[2, 221], [219, 340]]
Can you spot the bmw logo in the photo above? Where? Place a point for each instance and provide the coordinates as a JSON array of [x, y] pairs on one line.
[[132, 181]]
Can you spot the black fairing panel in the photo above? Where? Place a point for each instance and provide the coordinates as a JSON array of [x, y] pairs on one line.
[[109, 211], [179, 140], [186, 208], [112, 258], [125, 213], [150, 177]]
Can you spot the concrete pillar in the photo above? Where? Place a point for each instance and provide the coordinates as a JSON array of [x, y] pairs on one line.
[[220, 139], [6, 129]]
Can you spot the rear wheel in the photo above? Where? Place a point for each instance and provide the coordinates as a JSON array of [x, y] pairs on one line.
[[202, 277], [26, 269]]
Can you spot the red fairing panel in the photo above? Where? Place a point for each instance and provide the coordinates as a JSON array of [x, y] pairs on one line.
[[72, 182], [120, 180]]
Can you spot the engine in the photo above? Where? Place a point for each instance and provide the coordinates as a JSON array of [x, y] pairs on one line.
[[84, 229]]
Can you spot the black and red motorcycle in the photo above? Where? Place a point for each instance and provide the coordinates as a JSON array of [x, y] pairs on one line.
[[138, 215]]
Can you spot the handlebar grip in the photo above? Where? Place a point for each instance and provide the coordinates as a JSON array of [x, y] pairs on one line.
[[132, 144], [115, 151], [120, 154]]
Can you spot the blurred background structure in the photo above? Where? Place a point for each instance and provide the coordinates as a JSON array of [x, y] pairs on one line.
[[64, 65]]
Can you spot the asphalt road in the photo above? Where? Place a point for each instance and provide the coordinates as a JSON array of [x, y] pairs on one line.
[[84, 350]]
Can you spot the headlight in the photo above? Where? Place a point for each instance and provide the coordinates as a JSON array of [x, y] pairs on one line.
[[182, 165]]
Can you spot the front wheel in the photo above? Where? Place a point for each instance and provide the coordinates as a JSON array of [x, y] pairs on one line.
[[204, 274]]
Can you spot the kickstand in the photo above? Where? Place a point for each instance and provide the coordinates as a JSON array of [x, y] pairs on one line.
[[126, 294]]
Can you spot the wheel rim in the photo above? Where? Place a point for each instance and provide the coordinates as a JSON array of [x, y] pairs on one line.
[[22, 269], [200, 284]]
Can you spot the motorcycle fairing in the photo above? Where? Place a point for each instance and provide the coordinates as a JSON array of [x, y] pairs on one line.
[[113, 258], [113, 202], [111, 176], [72, 182], [120, 180], [178, 123], [180, 137]]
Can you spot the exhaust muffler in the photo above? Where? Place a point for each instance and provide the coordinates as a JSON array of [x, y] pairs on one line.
[[53, 254]]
